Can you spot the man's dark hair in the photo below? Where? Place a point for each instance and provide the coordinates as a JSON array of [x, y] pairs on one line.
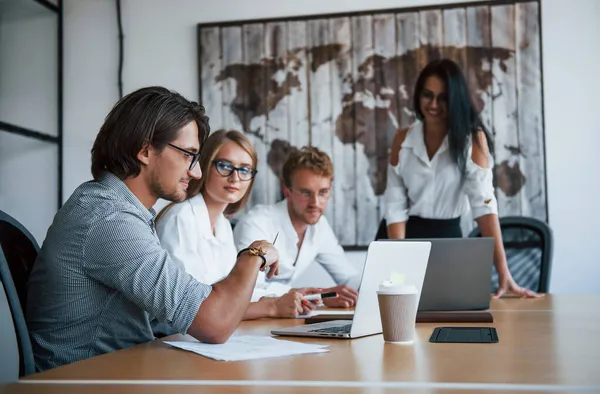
[[149, 115]]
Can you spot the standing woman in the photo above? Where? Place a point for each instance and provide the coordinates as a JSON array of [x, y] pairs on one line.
[[197, 233], [441, 164]]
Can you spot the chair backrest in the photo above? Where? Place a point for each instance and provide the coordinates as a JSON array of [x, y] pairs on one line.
[[9, 348], [20, 250], [528, 243], [25, 354], [382, 231]]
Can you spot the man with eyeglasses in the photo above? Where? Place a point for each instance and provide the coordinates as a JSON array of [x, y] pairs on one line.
[[305, 236], [102, 278]]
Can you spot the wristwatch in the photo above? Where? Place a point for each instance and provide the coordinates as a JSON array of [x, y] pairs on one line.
[[256, 252]]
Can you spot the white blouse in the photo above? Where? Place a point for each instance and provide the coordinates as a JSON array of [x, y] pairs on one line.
[[319, 245], [432, 189], [185, 232]]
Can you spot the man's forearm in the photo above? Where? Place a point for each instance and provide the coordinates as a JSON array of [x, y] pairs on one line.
[[262, 308], [225, 307]]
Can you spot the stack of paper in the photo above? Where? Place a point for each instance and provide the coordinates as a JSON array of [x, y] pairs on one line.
[[247, 347]]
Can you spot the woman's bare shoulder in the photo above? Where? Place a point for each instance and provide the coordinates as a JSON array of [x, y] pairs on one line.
[[397, 146], [480, 150]]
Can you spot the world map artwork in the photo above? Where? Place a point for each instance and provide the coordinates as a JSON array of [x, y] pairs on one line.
[[371, 94], [352, 124]]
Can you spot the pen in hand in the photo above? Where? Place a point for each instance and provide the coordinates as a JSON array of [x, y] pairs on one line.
[[318, 297], [262, 266]]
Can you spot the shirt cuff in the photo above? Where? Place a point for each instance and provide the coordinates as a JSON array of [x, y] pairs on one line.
[[487, 208], [479, 188], [396, 215]]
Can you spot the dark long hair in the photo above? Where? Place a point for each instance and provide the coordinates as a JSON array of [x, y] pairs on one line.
[[149, 115], [464, 120]]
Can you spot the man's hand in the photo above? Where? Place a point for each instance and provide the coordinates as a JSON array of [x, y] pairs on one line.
[[346, 297], [308, 306], [271, 255], [288, 305]]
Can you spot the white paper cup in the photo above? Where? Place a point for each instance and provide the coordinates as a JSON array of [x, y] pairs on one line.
[[398, 311]]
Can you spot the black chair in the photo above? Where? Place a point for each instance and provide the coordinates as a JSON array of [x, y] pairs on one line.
[[26, 361], [381, 231], [528, 243], [9, 348], [18, 252]]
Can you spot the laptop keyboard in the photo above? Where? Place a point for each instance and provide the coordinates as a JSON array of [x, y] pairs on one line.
[[335, 330]]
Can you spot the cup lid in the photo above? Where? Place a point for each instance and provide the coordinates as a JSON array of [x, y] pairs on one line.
[[387, 287]]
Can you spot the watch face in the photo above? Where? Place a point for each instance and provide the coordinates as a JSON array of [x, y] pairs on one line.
[[257, 251]]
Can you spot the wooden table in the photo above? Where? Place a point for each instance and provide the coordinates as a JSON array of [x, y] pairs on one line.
[[544, 343], [20, 388]]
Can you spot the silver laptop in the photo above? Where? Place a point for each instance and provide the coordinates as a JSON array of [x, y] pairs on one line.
[[458, 275], [383, 258]]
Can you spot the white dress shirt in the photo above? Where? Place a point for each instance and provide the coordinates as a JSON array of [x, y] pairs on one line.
[[185, 231], [320, 244], [432, 189]]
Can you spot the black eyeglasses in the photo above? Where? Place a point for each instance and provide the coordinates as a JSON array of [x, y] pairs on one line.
[[428, 95], [226, 168], [194, 156]]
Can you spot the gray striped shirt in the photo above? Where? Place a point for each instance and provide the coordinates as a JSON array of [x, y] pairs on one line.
[[102, 276]]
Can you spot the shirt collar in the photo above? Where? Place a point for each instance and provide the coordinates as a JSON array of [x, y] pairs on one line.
[[416, 140], [203, 220], [113, 182], [286, 223]]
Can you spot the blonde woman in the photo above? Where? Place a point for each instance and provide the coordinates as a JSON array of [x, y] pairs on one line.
[[197, 233]]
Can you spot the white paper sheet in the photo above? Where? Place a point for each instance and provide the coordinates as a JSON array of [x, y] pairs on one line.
[[248, 347]]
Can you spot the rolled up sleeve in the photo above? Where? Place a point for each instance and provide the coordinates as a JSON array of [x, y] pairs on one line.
[[126, 256], [395, 197], [479, 188]]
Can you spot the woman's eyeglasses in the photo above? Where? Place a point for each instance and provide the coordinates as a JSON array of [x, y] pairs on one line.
[[194, 157], [226, 168], [442, 98]]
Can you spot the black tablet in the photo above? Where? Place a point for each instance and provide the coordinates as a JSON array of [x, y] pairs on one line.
[[464, 335]]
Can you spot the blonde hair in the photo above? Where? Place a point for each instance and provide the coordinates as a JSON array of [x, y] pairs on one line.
[[208, 153], [307, 158]]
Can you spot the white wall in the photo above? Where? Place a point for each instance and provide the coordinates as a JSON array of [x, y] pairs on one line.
[[571, 55], [90, 89], [160, 48], [28, 98], [29, 67]]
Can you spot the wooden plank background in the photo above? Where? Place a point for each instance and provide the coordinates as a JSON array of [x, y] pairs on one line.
[[344, 189], [361, 109], [277, 125], [320, 93], [344, 84]]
